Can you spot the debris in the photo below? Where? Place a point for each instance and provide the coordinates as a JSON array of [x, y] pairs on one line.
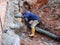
[[10, 38], [40, 3]]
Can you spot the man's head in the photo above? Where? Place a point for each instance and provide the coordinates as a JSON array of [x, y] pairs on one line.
[[26, 5]]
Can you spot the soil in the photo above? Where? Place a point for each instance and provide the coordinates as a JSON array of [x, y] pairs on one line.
[[50, 16]]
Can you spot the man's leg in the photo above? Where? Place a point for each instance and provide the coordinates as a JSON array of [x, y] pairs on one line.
[[33, 27]]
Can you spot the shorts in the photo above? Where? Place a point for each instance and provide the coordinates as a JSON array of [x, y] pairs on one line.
[[35, 22]]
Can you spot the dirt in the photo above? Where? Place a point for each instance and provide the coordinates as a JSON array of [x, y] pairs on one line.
[[50, 16], [38, 39]]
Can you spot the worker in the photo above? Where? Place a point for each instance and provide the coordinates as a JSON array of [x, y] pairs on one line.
[[32, 18]]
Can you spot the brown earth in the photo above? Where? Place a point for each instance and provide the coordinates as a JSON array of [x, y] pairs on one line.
[[49, 15]]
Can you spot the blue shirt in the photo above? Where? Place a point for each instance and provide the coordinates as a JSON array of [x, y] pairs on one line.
[[31, 16]]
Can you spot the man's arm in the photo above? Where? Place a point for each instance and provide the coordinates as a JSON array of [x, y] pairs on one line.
[[19, 15]]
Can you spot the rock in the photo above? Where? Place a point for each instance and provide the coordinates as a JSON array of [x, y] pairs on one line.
[[15, 26], [10, 38]]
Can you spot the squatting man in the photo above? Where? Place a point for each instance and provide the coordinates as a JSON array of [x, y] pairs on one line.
[[33, 19]]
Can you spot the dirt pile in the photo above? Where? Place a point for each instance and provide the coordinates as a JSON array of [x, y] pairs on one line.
[[36, 4]]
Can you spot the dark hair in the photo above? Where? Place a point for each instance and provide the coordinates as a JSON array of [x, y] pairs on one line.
[[26, 4]]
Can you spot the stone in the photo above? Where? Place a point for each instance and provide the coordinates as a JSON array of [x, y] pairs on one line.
[[10, 38]]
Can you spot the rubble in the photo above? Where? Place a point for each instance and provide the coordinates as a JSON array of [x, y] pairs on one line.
[[37, 3], [10, 38]]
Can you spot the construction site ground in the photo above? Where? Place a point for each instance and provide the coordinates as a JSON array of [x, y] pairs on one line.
[[50, 16]]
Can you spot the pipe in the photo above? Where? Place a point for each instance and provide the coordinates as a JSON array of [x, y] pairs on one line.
[[41, 30], [47, 33]]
